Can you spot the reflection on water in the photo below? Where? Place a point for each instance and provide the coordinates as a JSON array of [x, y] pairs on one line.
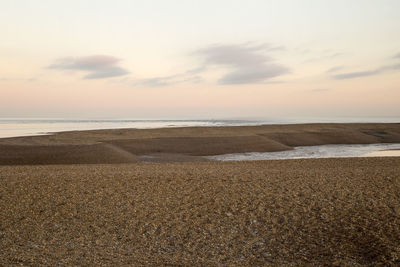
[[323, 151]]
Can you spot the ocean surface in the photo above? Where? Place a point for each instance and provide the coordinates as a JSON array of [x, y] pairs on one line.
[[29, 127], [12, 127]]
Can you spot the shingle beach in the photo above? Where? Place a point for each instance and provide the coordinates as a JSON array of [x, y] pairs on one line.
[[284, 212]]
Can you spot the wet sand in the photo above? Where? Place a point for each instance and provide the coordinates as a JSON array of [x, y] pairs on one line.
[[184, 144], [289, 212], [385, 153]]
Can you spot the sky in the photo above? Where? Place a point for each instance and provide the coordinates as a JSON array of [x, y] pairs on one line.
[[171, 59]]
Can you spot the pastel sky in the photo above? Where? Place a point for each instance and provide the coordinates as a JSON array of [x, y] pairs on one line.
[[199, 59]]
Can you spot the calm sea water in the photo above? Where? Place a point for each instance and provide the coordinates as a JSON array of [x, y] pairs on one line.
[[28, 127], [11, 127]]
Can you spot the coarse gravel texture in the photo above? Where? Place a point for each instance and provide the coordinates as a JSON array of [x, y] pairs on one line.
[[287, 212]]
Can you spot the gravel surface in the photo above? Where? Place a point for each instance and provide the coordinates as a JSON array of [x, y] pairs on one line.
[[288, 212]]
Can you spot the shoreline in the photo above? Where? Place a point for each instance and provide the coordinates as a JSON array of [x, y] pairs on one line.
[[185, 143], [250, 124]]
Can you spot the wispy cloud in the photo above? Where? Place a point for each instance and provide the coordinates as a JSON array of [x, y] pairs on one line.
[[166, 81], [187, 76], [391, 67], [397, 55], [97, 66], [246, 63], [334, 69], [249, 64], [351, 75], [324, 56]]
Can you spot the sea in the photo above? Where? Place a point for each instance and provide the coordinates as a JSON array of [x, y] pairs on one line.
[[13, 127]]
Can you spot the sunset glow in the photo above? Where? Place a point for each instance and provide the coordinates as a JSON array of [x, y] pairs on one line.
[[199, 59]]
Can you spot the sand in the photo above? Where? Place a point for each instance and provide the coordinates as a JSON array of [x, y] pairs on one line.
[[287, 212], [184, 144]]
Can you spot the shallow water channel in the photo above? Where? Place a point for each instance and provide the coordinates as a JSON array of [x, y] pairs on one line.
[[322, 151]]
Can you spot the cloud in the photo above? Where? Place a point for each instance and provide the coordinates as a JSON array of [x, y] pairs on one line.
[[390, 67], [248, 64], [155, 82], [397, 55], [106, 73], [97, 66], [334, 69], [324, 55], [351, 75], [166, 81], [187, 76], [253, 74]]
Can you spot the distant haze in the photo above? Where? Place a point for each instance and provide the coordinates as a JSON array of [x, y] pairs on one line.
[[171, 59]]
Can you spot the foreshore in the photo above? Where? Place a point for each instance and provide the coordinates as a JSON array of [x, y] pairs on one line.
[[184, 144], [95, 198], [336, 212]]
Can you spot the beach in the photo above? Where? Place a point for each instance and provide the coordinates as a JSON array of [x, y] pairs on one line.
[[287, 212], [148, 197], [184, 144], [199, 133]]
